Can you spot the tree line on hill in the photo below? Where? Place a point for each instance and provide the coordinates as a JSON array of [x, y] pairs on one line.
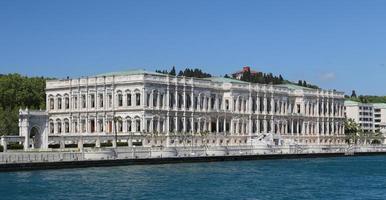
[[366, 98], [261, 77], [197, 73], [16, 92], [247, 76]]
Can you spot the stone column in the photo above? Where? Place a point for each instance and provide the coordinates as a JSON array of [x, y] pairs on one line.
[[167, 97], [231, 126], [184, 98], [217, 125], [225, 125], [192, 100], [265, 104], [257, 103], [184, 124], [176, 124], [250, 126], [192, 128], [257, 126]]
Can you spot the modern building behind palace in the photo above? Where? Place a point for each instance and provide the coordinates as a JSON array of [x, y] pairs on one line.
[[371, 117], [139, 103]]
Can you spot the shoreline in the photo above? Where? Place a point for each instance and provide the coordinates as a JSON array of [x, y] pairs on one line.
[[27, 166]]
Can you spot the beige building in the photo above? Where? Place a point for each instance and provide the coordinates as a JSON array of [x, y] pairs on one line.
[[371, 117]]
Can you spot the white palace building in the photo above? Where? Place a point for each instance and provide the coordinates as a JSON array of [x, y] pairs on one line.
[[142, 108]]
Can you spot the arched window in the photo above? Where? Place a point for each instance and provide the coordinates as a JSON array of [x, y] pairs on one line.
[[128, 98], [138, 125], [66, 102], [128, 124], [59, 102], [137, 99], [52, 127], [120, 99], [52, 103], [59, 125], [120, 125], [66, 126]]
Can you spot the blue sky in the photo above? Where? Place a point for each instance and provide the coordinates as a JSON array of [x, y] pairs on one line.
[[334, 44]]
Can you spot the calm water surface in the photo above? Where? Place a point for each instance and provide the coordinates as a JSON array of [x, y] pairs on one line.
[[324, 178]]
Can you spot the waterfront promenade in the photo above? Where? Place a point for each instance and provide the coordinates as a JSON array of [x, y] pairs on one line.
[[93, 157]]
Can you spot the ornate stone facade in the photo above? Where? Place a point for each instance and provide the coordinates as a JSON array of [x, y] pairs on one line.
[[169, 109]]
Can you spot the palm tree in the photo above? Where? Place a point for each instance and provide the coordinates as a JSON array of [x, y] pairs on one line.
[[352, 131]]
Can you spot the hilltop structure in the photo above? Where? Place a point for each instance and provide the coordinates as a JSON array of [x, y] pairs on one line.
[[146, 108], [240, 73]]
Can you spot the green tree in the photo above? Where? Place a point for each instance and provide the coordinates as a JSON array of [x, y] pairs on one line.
[[16, 92], [173, 71], [352, 131]]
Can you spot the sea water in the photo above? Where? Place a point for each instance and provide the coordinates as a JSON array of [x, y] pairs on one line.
[[321, 178]]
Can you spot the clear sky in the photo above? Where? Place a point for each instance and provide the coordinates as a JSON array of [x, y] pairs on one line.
[[334, 44]]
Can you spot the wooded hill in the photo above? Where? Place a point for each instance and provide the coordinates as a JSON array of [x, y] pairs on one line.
[[366, 98]]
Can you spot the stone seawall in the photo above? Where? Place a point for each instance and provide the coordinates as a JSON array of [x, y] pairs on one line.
[[6, 167]]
